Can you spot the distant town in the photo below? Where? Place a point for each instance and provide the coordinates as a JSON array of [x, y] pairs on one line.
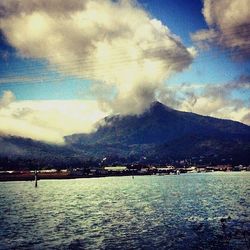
[[106, 171]]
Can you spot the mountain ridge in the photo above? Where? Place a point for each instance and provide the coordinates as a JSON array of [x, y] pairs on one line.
[[157, 118], [160, 134]]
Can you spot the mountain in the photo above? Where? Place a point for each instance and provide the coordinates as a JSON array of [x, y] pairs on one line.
[[164, 133], [158, 135], [159, 124], [21, 153]]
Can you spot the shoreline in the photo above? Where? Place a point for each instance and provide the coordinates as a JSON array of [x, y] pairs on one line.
[[60, 176], [7, 178]]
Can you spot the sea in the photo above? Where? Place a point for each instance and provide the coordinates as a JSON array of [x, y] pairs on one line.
[[187, 211]]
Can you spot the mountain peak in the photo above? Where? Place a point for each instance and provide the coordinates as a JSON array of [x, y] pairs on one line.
[[162, 133], [157, 106]]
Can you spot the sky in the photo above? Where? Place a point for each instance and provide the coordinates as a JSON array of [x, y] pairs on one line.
[[64, 65]]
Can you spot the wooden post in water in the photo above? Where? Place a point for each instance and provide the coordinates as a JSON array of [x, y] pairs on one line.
[[35, 178]]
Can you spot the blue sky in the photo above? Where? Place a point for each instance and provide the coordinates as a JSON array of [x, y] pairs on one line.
[[182, 17]]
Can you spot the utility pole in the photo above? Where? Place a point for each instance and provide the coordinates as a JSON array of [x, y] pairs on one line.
[[35, 178]]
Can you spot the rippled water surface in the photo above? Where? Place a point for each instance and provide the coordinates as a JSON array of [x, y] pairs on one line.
[[189, 211]]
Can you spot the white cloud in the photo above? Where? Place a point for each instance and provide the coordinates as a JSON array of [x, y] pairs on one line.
[[217, 107], [113, 42], [229, 25], [246, 118], [22, 7], [209, 99], [47, 120], [7, 98]]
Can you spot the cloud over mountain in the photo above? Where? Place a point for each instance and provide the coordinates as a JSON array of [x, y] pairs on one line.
[[115, 43], [217, 100]]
